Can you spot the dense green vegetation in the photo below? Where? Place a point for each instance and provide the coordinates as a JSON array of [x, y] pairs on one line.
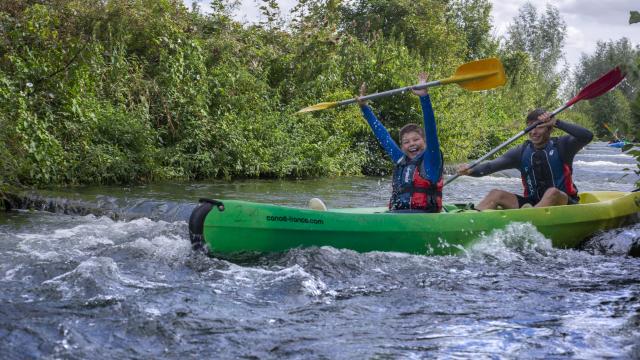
[[123, 91], [613, 109]]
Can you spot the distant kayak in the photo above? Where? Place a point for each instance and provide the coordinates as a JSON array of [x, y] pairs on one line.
[[618, 144], [234, 226]]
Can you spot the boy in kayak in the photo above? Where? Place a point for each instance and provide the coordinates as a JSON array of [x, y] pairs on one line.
[[545, 164], [417, 174]]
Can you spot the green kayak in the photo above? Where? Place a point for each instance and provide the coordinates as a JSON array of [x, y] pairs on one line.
[[233, 226]]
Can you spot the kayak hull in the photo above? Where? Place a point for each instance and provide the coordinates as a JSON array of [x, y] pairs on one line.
[[235, 226]]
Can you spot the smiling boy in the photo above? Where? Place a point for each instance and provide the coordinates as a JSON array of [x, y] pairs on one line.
[[417, 174]]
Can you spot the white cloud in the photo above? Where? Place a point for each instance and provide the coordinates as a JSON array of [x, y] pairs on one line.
[[599, 11], [588, 21], [245, 10], [576, 38], [203, 4]]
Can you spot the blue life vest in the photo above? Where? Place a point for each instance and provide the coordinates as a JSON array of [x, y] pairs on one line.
[[543, 169], [411, 188]]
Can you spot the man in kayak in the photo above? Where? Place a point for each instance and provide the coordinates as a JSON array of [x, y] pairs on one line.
[[545, 164], [417, 174]]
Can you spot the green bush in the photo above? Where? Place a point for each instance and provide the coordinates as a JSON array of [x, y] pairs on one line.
[[126, 91]]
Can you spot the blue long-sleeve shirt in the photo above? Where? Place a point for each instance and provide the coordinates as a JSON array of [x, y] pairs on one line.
[[432, 158]]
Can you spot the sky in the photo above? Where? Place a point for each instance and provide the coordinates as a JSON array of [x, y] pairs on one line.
[[587, 20]]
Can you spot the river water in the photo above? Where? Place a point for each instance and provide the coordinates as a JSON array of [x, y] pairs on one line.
[[126, 285]]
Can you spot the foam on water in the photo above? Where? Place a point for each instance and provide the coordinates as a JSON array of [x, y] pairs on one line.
[[514, 242], [610, 156], [616, 242], [604, 164], [157, 239], [271, 283], [169, 248], [596, 331], [96, 277]]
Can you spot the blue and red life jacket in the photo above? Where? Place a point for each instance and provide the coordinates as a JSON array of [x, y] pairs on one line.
[[411, 188], [545, 168]]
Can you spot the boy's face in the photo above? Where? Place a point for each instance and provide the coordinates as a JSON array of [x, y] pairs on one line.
[[412, 144]]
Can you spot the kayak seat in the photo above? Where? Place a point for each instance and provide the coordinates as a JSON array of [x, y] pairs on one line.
[[317, 204]]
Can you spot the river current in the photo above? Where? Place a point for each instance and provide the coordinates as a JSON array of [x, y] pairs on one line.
[[108, 273]]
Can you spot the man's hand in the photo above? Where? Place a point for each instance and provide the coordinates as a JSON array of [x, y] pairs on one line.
[[546, 120], [464, 169]]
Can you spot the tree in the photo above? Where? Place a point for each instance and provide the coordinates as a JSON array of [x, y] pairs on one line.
[[473, 18], [424, 26], [608, 55], [542, 36], [616, 106]]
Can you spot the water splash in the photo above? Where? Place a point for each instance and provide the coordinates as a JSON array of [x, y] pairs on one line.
[[617, 242], [515, 242], [261, 286], [157, 239], [94, 279], [601, 164]]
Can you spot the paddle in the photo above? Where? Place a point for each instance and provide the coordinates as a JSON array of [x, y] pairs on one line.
[[606, 126], [476, 75], [605, 83], [614, 133]]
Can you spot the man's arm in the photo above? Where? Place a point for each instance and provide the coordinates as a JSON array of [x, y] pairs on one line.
[[577, 139], [579, 135], [510, 160]]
